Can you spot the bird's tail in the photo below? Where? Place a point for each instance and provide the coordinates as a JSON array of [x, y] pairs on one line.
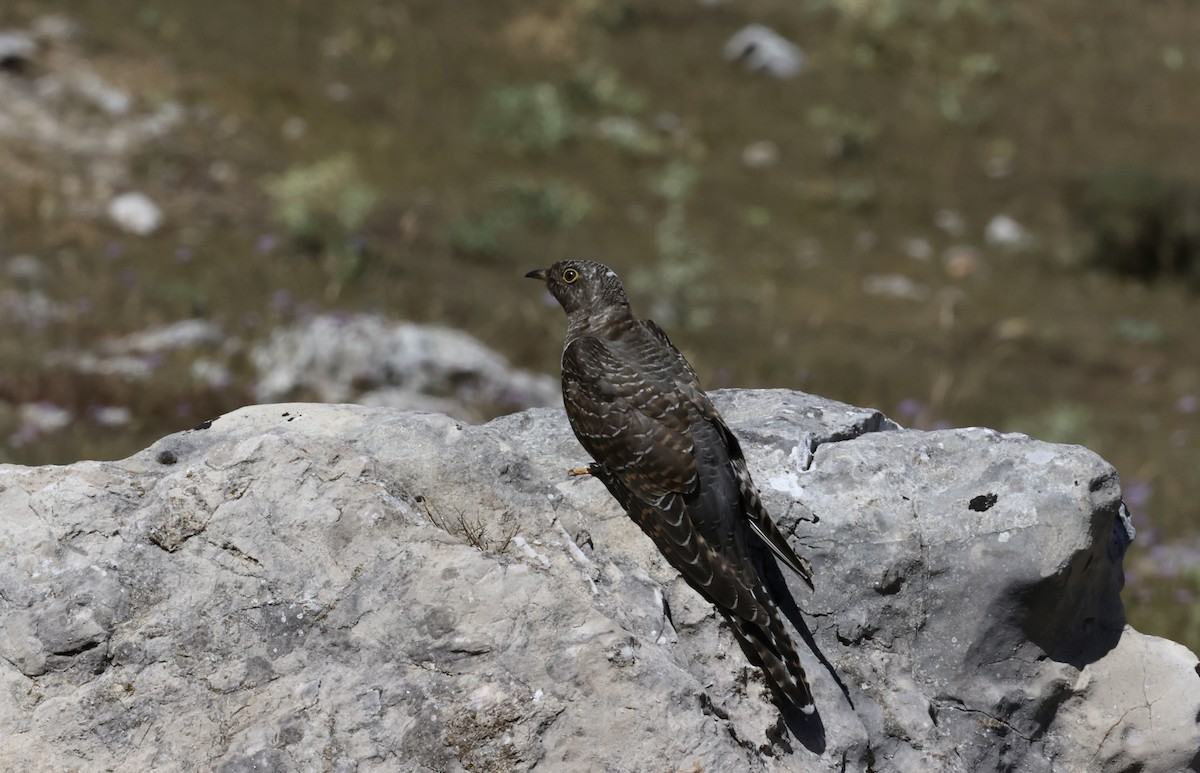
[[772, 648]]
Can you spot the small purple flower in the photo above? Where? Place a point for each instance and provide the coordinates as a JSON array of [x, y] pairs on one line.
[[27, 433], [184, 254], [1187, 404], [267, 243], [909, 408], [1137, 495], [114, 250]]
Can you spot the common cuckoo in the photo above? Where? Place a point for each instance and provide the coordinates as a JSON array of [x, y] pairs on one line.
[[668, 458]]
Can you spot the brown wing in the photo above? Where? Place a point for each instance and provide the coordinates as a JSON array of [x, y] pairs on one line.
[[684, 366], [760, 520], [669, 524], [671, 462]]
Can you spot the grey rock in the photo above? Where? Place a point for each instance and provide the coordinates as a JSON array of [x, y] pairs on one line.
[[761, 49], [369, 359], [335, 587], [129, 366], [184, 334], [17, 49], [108, 98], [137, 355]]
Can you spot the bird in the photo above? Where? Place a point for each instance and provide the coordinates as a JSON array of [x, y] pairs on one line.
[[665, 454]]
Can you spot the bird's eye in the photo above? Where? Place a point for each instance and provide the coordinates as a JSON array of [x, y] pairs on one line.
[[570, 275]]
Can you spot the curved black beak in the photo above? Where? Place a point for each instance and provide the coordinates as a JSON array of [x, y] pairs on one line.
[[541, 273]]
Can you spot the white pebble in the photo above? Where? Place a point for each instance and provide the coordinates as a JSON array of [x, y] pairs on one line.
[[135, 213]]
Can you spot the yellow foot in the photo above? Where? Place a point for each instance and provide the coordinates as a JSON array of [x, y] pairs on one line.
[[577, 471]]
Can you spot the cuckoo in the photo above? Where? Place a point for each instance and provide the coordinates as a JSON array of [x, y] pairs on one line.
[[669, 459]]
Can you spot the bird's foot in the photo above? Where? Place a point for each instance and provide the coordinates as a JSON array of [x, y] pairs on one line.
[[575, 472]]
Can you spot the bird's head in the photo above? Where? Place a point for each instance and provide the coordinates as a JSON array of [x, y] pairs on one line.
[[583, 286]]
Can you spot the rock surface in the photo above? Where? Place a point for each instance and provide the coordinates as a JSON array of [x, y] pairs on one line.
[[316, 587]]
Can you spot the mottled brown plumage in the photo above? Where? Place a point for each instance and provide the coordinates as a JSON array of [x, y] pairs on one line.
[[665, 454]]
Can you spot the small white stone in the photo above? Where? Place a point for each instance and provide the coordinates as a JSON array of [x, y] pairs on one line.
[[1003, 231], [17, 47], [761, 154], [762, 49], [895, 286], [44, 417], [112, 415], [135, 213]]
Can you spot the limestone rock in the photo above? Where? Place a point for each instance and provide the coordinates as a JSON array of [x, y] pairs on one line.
[[17, 50], [761, 49], [374, 361], [320, 587]]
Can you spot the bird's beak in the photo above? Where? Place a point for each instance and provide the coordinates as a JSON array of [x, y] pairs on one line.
[[541, 273]]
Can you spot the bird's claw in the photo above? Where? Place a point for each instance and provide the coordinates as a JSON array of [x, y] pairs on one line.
[[575, 472]]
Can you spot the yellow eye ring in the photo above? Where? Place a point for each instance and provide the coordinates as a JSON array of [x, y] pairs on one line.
[[570, 275]]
